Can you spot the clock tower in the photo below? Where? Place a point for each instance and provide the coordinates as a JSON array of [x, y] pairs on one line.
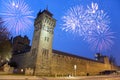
[[42, 42]]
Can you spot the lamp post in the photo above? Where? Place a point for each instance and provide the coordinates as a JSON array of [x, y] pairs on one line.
[[75, 67]]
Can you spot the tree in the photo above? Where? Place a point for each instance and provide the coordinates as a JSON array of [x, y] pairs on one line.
[[5, 44]]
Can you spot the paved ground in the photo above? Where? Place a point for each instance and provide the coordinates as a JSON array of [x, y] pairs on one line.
[[20, 77]]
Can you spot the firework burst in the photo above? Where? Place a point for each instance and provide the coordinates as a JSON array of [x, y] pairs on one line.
[[101, 40], [16, 15], [92, 24], [99, 37], [98, 18], [75, 20]]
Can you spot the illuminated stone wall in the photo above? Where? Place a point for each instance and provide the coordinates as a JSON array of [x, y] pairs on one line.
[[63, 64]]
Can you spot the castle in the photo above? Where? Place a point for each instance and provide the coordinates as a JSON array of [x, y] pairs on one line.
[[48, 62]]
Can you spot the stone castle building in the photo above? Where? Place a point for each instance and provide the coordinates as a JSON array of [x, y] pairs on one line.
[[20, 44], [48, 62]]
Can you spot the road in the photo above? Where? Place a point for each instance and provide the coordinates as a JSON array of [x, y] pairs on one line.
[[21, 77]]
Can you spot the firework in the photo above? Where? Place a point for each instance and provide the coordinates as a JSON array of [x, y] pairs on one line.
[[82, 21], [75, 20], [93, 8], [101, 40], [92, 24], [98, 18], [99, 36], [16, 15]]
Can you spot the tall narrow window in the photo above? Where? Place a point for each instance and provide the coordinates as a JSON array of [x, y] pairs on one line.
[[47, 39]]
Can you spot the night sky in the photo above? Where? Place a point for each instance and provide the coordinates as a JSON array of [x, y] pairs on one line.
[[72, 43]]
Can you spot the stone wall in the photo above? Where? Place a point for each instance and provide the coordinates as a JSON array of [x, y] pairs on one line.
[[63, 65], [25, 60], [7, 69]]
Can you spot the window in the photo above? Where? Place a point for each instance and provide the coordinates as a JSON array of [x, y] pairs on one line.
[[47, 39], [45, 53]]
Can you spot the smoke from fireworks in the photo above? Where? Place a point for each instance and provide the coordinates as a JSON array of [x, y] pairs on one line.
[[16, 15], [90, 23]]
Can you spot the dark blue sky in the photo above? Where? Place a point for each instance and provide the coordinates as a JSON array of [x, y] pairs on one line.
[[74, 44]]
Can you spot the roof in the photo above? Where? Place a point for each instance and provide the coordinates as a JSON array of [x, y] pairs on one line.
[[46, 12], [72, 55]]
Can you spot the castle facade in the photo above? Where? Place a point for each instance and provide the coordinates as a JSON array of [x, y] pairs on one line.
[[45, 61]]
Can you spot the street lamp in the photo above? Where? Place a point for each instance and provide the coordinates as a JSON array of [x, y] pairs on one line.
[[75, 67]]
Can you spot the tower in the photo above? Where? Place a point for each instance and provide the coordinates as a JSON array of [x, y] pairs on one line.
[[42, 42]]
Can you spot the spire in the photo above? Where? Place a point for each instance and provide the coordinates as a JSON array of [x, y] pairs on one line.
[[47, 7], [46, 11]]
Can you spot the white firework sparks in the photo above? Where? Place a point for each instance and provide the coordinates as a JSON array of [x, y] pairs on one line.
[[17, 16], [99, 19], [75, 20], [90, 23], [99, 37]]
